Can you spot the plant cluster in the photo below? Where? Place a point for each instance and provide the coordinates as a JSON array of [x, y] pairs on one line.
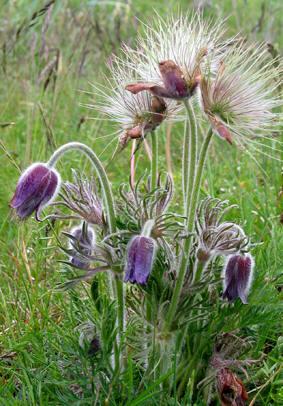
[[171, 278]]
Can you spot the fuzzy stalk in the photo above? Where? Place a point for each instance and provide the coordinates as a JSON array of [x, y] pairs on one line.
[[199, 267], [146, 232], [105, 184], [190, 226], [154, 160], [147, 228], [110, 212], [189, 154]]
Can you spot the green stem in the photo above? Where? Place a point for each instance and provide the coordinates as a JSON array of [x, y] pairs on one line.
[[190, 226], [105, 184], [146, 231], [110, 211], [148, 225], [189, 154], [198, 270], [154, 160]]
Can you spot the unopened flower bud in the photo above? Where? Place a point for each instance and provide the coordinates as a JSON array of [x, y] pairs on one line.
[[140, 257], [83, 243], [238, 277], [36, 188]]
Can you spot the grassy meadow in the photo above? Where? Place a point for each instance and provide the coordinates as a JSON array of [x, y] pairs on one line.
[[50, 54]]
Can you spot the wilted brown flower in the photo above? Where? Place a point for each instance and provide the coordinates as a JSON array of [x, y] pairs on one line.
[[230, 388]]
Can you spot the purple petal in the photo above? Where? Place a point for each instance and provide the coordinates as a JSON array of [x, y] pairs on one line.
[[238, 274], [29, 183], [36, 187], [49, 192], [173, 80], [139, 260]]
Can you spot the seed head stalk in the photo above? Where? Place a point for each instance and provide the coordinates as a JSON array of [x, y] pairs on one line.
[[189, 154], [117, 283], [190, 225], [154, 160], [150, 223]]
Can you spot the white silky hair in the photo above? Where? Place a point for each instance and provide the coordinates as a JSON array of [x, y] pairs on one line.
[[245, 89], [181, 40]]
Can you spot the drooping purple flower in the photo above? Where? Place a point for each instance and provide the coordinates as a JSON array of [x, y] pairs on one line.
[[238, 277], [36, 188], [82, 243], [139, 259]]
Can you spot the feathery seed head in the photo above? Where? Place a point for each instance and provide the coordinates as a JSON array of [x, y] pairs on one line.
[[169, 60], [240, 100], [136, 115]]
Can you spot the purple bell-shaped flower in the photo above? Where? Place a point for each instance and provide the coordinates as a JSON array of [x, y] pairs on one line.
[[139, 260], [238, 273], [36, 188], [140, 256]]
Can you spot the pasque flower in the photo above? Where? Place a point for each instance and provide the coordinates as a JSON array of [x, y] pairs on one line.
[[238, 272], [240, 99], [36, 188], [169, 60], [136, 115], [140, 255]]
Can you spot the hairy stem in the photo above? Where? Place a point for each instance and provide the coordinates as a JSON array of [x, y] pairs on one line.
[[154, 160], [190, 226], [199, 267], [105, 184], [132, 165], [110, 212], [189, 155], [146, 231], [147, 228]]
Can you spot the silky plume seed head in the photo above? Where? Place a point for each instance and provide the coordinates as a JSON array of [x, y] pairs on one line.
[[241, 99], [135, 115], [37, 187], [170, 56]]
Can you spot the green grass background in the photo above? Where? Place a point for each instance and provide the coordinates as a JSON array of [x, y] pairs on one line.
[[41, 362]]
